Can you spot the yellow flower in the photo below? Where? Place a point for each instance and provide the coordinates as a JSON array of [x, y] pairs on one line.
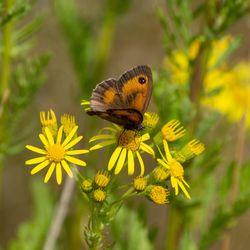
[[99, 195], [86, 185], [129, 145], [68, 122], [172, 131], [140, 183], [158, 194], [49, 121], [150, 119], [160, 174], [102, 179], [175, 170], [56, 154]]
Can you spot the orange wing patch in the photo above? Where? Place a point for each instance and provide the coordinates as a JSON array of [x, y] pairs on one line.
[[109, 96]]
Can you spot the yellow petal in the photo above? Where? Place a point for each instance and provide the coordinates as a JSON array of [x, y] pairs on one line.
[[73, 142], [102, 144], [114, 158], [163, 163], [44, 140], [77, 152], [131, 165], [36, 149], [101, 137], [121, 161], [184, 190], [70, 136], [58, 173], [49, 172], [141, 163], [185, 183], [174, 184], [75, 160], [40, 167], [145, 137], [166, 148], [109, 129], [146, 148], [59, 135], [49, 136], [35, 160], [67, 168]]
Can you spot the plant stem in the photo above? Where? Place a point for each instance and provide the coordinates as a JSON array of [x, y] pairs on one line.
[[173, 231], [7, 46]]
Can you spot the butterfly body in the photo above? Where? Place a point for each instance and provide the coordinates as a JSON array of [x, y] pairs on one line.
[[125, 100]]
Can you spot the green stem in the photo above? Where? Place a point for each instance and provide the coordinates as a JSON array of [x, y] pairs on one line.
[[6, 54], [173, 231]]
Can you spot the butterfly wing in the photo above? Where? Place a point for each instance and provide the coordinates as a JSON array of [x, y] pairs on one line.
[[124, 101]]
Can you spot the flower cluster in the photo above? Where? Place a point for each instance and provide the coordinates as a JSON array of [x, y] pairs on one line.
[[129, 147]]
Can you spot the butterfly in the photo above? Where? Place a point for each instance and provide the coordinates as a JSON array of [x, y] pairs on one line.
[[123, 101]]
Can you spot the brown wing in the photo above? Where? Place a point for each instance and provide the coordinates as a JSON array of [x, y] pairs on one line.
[[136, 88]]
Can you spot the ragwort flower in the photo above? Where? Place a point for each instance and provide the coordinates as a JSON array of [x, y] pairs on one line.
[[175, 170], [129, 145], [56, 154]]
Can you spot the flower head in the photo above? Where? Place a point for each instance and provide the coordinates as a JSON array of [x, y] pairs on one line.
[[150, 119], [56, 154], [50, 121], [68, 122], [87, 185], [140, 183], [99, 195], [102, 179], [175, 170], [129, 145], [158, 194], [172, 131]]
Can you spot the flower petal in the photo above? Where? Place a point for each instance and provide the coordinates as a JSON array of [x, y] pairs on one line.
[[131, 165], [184, 190], [36, 149], [70, 136], [67, 168], [59, 135], [49, 136], [50, 172], [146, 148], [73, 142], [58, 173], [77, 152], [185, 183], [102, 137], [145, 137], [166, 148], [174, 184], [40, 167], [75, 160], [121, 160], [114, 158], [35, 160], [44, 140], [102, 144], [141, 163], [163, 163]]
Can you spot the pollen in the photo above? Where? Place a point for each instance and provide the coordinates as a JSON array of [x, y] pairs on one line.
[[55, 152], [129, 139], [158, 194]]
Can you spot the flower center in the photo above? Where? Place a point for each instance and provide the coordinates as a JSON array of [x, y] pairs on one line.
[[129, 139], [55, 152], [176, 169]]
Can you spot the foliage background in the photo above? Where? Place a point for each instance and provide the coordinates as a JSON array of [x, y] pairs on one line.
[[137, 40]]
